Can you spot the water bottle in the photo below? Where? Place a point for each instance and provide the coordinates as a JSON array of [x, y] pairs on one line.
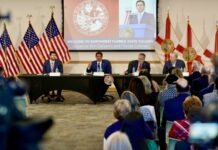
[[133, 69], [56, 70]]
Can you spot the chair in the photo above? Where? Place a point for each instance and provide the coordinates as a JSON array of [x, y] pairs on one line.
[[168, 127], [172, 143], [152, 145]]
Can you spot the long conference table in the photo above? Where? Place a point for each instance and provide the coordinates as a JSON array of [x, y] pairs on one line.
[[93, 87]]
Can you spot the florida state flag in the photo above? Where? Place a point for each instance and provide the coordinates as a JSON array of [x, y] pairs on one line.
[[190, 47], [213, 45], [167, 39]]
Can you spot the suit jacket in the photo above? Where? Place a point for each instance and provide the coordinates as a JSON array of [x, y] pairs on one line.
[[134, 64], [199, 84], [210, 97], [193, 76], [168, 65], [57, 65], [105, 66], [173, 108], [147, 18]]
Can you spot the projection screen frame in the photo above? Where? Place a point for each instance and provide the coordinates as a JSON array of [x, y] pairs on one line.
[[110, 50]]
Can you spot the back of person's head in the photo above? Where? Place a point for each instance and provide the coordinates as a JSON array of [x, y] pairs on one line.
[[134, 127], [190, 103], [133, 100], [136, 86], [177, 72], [182, 86], [118, 141], [196, 66], [147, 84], [121, 108], [171, 79], [205, 70]]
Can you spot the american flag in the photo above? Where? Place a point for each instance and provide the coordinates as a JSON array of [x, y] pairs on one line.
[[52, 40], [8, 55], [29, 53]]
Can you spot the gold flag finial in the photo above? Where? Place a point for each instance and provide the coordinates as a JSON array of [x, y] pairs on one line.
[[29, 16], [168, 10], [52, 10]]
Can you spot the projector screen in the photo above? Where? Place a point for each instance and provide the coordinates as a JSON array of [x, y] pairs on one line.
[[110, 24]]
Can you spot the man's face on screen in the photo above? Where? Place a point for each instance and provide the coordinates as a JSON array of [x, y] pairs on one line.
[[98, 57], [140, 7]]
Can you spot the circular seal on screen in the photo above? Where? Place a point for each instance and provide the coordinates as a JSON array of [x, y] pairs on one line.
[[189, 54], [90, 17], [108, 80], [167, 46]]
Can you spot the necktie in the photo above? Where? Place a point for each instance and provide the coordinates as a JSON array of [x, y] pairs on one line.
[[140, 67], [98, 67], [52, 66]]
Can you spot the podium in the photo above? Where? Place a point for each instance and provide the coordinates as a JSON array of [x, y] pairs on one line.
[[137, 31]]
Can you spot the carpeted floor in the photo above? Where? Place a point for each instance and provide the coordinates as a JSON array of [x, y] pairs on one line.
[[79, 124]]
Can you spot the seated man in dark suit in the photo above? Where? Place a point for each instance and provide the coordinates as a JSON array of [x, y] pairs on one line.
[[173, 62], [100, 64], [53, 65], [138, 65]]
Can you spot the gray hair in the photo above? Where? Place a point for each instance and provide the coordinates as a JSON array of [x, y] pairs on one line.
[[118, 141], [133, 100]]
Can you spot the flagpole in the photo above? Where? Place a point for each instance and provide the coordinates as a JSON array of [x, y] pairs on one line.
[[5, 50], [29, 16]]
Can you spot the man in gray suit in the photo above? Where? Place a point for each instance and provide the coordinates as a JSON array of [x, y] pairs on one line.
[[142, 17]]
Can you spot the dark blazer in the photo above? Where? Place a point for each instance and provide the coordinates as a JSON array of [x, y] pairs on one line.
[[106, 66], [134, 63], [193, 76], [199, 84], [147, 18], [57, 65], [168, 65], [173, 108]]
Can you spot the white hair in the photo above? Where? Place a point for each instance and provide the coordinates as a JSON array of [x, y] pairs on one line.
[[174, 54], [118, 141], [205, 70], [196, 65]]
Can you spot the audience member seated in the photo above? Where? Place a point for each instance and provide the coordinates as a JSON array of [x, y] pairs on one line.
[[137, 130], [177, 72], [170, 89], [136, 86], [173, 62], [202, 82], [53, 65], [213, 96], [195, 72], [154, 86], [138, 65], [173, 107], [121, 109], [118, 141], [147, 111], [133, 100], [180, 128], [100, 64]]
